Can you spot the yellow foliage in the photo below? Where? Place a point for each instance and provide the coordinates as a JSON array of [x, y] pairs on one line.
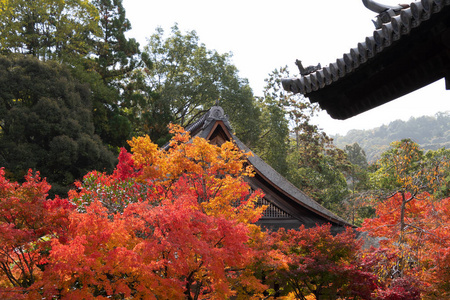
[[215, 172], [292, 296]]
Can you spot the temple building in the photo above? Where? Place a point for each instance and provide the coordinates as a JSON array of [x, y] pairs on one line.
[[409, 49], [288, 207]]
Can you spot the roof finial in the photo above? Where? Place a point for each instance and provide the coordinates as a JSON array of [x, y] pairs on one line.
[[216, 113], [307, 70], [217, 102]]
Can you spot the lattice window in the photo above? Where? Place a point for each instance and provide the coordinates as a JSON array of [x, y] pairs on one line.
[[272, 211]]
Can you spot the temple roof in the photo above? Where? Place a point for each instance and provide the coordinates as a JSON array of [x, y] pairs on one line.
[[292, 207], [409, 49]]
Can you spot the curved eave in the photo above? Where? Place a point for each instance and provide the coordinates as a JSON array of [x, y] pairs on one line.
[[287, 188], [407, 53]]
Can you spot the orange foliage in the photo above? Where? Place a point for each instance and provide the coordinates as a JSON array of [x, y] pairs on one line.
[[416, 230], [314, 264], [28, 221], [215, 173], [167, 224]]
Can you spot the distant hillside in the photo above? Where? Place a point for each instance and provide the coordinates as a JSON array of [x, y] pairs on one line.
[[429, 132]]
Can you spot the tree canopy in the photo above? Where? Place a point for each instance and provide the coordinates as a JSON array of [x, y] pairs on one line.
[[46, 123], [179, 222], [48, 29], [180, 228], [183, 81], [172, 223]]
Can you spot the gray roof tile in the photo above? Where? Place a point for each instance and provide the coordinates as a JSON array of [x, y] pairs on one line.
[[382, 38]]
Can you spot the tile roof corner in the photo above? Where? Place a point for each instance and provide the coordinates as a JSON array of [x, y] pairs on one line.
[[399, 25]]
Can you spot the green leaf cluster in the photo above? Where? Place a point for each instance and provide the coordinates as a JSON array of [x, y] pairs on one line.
[[48, 29], [180, 80], [46, 123]]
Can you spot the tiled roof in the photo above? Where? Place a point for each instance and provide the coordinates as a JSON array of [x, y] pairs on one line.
[[287, 187], [395, 29], [203, 127]]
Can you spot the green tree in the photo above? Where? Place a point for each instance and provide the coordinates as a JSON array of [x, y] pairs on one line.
[[48, 29], [273, 142], [111, 123], [272, 145], [114, 59], [399, 166], [440, 160], [116, 55], [355, 207], [46, 123], [319, 172], [184, 80], [89, 36], [356, 155], [316, 166]]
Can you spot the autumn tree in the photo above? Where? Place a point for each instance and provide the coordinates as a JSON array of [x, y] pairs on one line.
[[169, 249], [175, 223], [404, 172], [314, 262], [28, 221], [409, 220], [416, 239], [215, 173]]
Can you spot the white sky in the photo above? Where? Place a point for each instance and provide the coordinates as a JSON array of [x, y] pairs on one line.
[[264, 35]]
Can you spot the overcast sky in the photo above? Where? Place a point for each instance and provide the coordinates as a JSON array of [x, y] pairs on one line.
[[265, 35]]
